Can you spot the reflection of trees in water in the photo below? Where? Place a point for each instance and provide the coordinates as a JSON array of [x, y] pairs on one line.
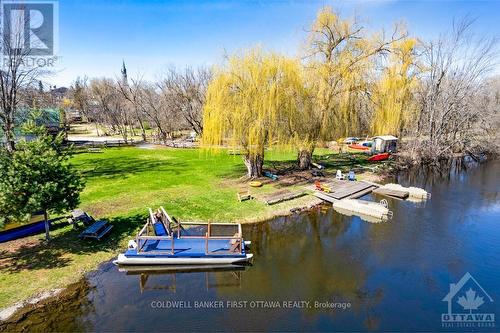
[[449, 172], [368, 302], [62, 313], [299, 258], [430, 229]]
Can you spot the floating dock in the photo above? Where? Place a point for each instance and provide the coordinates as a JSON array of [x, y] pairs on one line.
[[392, 193], [413, 192], [344, 194], [341, 189], [363, 207]]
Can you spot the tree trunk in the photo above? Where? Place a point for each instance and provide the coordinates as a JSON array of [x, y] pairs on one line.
[[97, 129], [143, 131], [8, 134], [254, 163], [304, 158], [47, 235]]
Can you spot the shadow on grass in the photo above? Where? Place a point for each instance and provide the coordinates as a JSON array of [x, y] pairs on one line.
[[334, 161], [121, 166], [54, 254]]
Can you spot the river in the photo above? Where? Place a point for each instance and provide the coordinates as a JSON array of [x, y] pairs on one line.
[[318, 271]]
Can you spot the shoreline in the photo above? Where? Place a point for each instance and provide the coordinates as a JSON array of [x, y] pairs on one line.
[[28, 304], [288, 208], [25, 306]]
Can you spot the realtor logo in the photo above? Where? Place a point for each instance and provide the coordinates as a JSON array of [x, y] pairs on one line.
[[468, 305], [29, 31]]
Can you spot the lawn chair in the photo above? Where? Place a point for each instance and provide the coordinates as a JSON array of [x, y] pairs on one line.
[[339, 175], [351, 176], [317, 185], [235, 243], [321, 187]]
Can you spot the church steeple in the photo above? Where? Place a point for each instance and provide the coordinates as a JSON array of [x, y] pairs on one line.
[[124, 73]]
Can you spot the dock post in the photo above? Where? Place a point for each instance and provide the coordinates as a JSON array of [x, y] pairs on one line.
[[173, 252]]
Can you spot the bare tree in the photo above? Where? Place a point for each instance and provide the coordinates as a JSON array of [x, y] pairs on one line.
[[112, 111], [80, 95], [131, 92], [186, 90], [453, 116], [16, 74]]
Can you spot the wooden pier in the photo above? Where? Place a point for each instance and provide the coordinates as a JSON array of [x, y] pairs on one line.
[[334, 190], [280, 196], [341, 189]]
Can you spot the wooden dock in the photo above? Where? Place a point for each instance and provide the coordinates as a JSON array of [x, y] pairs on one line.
[[341, 189], [281, 196]]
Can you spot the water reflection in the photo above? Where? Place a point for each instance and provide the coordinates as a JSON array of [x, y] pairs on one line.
[[229, 276], [394, 274]]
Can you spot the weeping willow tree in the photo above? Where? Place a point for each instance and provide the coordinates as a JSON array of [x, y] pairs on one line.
[[338, 62], [392, 95], [249, 103]]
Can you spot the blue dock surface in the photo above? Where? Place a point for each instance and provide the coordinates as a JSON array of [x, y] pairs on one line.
[[186, 247]]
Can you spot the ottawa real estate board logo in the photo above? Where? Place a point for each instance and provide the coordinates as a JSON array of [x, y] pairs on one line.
[[29, 32], [469, 305]]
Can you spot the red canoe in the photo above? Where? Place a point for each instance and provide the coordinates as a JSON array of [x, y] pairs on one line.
[[358, 147], [379, 157]]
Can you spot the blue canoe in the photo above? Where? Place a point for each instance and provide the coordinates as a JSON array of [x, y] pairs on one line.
[[22, 231]]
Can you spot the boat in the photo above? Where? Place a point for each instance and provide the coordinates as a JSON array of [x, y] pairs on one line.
[[165, 241], [379, 157], [22, 231], [350, 140], [358, 147]]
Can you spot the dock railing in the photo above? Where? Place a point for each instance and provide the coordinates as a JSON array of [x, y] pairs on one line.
[[207, 231], [147, 233], [236, 241]]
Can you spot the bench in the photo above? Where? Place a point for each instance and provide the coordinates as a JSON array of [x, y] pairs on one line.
[[97, 230]]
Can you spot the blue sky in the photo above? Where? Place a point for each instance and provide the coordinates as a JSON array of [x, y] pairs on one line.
[[95, 35]]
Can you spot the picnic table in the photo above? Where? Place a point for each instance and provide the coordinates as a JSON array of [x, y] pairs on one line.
[[97, 230]]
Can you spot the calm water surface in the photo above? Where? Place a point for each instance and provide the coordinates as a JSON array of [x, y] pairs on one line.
[[394, 275]]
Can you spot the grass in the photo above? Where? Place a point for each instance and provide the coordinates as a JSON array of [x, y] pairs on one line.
[[120, 184]]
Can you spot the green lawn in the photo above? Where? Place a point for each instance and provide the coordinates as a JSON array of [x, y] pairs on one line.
[[192, 184], [121, 183]]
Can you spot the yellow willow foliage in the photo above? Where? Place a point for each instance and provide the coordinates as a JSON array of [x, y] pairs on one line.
[[392, 95], [250, 102], [337, 71]]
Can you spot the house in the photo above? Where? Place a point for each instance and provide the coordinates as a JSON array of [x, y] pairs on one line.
[[384, 144]]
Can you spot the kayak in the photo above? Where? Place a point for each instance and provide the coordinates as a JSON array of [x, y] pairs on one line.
[[379, 157], [22, 231], [358, 147]]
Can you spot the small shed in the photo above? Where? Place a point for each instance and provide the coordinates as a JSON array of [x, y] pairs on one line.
[[384, 144]]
